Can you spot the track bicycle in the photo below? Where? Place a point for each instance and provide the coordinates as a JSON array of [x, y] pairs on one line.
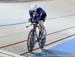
[[33, 38]]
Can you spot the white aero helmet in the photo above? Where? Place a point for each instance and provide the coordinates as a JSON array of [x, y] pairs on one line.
[[33, 7]]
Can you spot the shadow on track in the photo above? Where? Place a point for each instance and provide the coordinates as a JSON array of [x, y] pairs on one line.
[[50, 53]]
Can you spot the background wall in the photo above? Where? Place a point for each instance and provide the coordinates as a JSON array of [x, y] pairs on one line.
[[18, 12]]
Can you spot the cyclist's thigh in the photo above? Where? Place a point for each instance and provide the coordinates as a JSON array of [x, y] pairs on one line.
[[43, 17], [42, 20], [41, 24]]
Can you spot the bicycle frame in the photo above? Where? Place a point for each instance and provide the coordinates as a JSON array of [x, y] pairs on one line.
[[38, 39]]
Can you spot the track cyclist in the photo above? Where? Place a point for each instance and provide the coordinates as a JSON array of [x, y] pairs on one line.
[[37, 16]]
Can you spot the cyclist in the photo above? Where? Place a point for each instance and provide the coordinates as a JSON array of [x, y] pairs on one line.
[[37, 15]]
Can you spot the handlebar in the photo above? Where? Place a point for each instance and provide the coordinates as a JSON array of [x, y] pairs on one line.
[[30, 25]]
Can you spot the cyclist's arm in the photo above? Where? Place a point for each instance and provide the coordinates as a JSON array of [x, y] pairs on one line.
[[31, 16], [33, 19], [37, 19]]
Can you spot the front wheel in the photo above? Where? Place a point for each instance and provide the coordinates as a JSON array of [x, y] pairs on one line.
[[31, 41]]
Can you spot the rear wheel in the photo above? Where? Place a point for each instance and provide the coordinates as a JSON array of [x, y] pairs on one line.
[[42, 36]]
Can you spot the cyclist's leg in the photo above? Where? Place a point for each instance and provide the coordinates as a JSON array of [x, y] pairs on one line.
[[41, 25], [41, 22], [42, 32]]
